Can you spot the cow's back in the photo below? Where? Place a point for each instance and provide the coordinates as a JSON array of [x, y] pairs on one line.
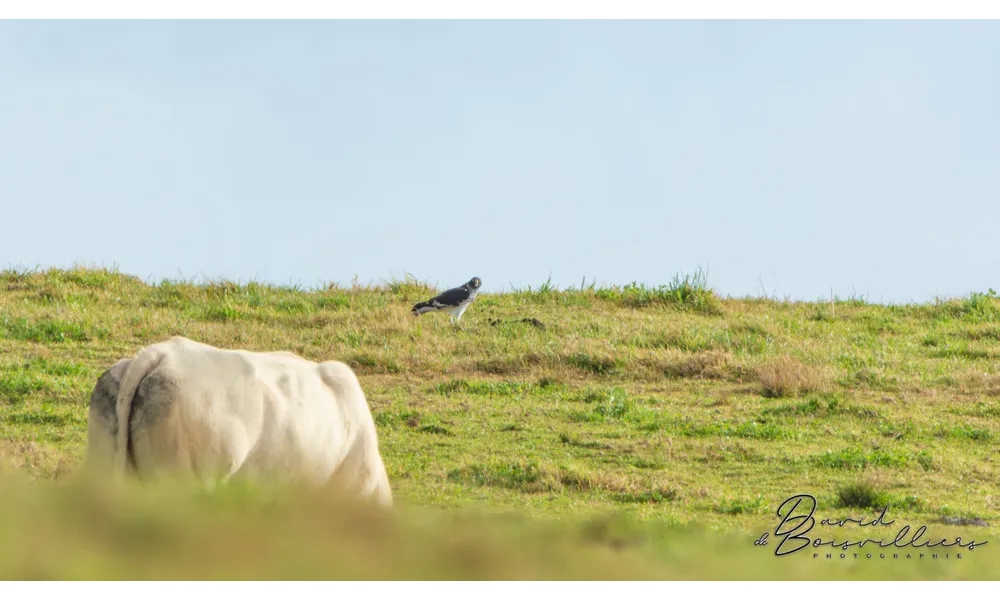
[[318, 414], [305, 430], [214, 412]]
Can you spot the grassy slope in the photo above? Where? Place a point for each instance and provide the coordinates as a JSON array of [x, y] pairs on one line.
[[628, 402]]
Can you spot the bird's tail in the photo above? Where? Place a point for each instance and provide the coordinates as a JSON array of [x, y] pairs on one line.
[[420, 308]]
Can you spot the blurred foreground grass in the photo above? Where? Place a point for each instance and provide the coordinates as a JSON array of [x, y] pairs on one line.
[[74, 529]]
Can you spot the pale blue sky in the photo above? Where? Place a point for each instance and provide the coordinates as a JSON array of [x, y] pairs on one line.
[[862, 156]]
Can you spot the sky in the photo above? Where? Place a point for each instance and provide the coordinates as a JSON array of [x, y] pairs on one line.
[[786, 158]]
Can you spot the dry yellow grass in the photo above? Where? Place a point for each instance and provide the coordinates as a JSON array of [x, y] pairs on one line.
[[786, 376]]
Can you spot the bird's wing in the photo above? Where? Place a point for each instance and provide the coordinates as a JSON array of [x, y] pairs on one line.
[[452, 297]]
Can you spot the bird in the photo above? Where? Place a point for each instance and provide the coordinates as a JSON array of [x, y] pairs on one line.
[[453, 301]]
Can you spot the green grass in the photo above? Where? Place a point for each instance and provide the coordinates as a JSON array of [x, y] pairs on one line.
[[667, 408]]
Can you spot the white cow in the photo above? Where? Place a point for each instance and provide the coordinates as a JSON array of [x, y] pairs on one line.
[[185, 407]]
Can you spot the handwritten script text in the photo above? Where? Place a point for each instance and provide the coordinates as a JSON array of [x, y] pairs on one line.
[[797, 520]]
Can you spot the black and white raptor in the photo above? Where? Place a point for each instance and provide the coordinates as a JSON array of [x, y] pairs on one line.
[[454, 301]]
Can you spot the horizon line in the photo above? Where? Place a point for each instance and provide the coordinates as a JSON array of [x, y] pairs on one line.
[[545, 287]]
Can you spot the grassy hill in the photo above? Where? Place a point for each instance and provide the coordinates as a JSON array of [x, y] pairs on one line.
[[665, 410]]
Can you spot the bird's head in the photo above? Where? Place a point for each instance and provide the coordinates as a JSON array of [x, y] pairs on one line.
[[474, 283]]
